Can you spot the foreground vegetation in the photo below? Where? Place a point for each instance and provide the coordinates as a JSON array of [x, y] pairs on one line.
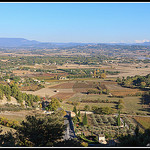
[[35, 131]]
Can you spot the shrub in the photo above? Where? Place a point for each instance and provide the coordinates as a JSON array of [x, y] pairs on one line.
[[86, 107], [84, 144]]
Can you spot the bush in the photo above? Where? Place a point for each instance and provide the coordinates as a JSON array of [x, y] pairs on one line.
[[102, 110], [13, 124], [120, 106], [84, 144], [87, 108]]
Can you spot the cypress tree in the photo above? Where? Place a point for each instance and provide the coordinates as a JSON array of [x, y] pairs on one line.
[[137, 130], [79, 115], [1, 94], [75, 109], [124, 123], [85, 120], [118, 119]]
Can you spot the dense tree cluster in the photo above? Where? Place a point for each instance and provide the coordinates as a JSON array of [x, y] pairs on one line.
[[13, 90], [135, 81], [53, 105], [102, 110], [85, 73]]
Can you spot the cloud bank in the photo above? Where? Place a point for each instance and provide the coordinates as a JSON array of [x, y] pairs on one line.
[[141, 41]]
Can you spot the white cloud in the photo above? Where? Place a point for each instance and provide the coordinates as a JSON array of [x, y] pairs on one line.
[[141, 41], [122, 41], [113, 42]]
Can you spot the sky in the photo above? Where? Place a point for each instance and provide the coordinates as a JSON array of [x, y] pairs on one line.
[[76, 22]]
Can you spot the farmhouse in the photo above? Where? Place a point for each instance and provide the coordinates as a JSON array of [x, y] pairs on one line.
[[8, 80], [71, 113], [62, 78], [101, 139]]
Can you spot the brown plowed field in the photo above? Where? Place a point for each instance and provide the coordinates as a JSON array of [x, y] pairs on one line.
[[83, 85], [75, 86], [63, 86], [63, 95]]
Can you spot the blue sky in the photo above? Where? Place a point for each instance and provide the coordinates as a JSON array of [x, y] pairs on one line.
[[76, 22]]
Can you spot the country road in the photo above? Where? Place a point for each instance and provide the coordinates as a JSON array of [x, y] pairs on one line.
[[69, 131]]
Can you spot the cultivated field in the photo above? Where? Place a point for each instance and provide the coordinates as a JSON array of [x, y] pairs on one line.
[[66, 85], [104, 124], [63, 96], [75, 91]]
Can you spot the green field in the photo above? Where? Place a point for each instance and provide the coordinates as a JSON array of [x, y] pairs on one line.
[[79, 97], [133, 105]]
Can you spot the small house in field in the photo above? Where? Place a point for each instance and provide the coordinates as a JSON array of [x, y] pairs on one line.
[[110, 95], [56, 90], [101, 139], [8, 80], [62, 78], [73, 114]]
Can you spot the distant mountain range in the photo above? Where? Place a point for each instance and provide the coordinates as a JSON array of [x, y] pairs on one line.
[[21, 42], [24, 43], [16, 42]]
